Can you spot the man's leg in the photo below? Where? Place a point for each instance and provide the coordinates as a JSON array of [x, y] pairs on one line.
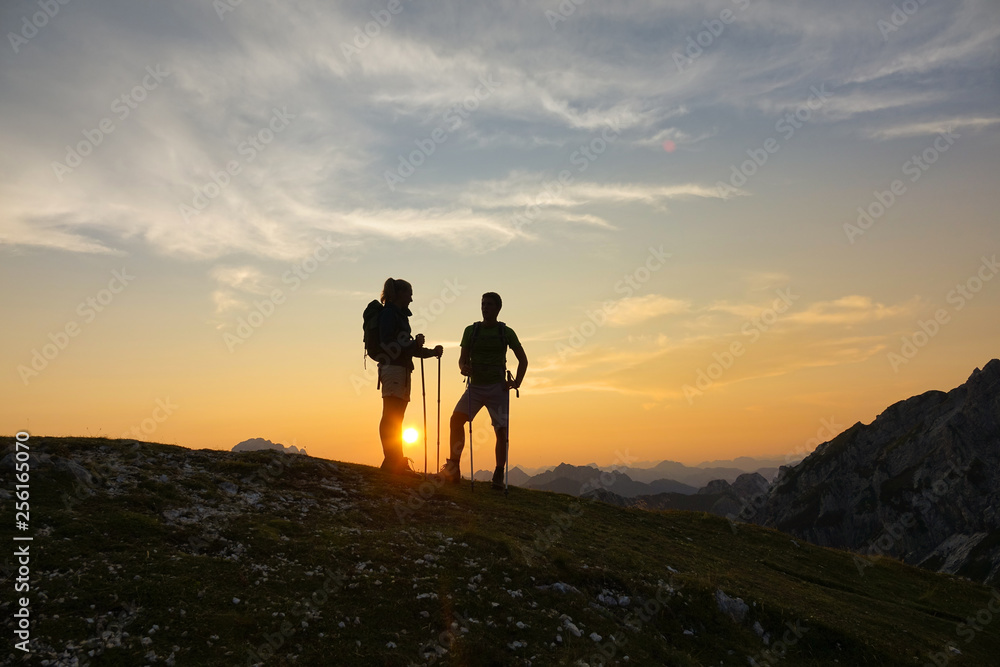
[[458, 420], [498, 474], [498, 404]]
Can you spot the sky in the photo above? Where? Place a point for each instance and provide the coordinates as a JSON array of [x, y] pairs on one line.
[[719, 228]]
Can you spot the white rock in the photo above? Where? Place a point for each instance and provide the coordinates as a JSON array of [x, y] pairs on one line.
[[735, 608]]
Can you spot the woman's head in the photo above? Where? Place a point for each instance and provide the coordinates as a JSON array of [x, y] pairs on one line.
[[395, 289]]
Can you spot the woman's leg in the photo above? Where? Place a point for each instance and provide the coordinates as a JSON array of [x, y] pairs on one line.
[[390, 430]]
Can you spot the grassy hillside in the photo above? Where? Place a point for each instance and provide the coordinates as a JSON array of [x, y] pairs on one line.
[[155, 554]]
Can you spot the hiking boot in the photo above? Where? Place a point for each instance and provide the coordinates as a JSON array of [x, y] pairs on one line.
[[450, 472], [497, 482], [406, 468], [400, 467]]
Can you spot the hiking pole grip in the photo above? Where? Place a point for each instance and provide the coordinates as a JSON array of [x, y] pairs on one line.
[[517, 391]]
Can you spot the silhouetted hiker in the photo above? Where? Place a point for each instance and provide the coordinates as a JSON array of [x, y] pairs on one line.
[[484, 360], [394, 369]]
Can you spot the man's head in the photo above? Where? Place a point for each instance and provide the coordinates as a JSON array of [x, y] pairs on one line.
[[491, 305]]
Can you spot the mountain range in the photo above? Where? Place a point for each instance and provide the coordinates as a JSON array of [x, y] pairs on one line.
[[632, 481]]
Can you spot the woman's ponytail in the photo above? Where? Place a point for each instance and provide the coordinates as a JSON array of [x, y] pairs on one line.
[[388, 291]]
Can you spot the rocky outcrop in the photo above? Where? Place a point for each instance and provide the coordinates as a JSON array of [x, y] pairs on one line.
[[920, 483]]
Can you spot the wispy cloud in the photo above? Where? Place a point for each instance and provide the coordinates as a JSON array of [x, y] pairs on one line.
[[933, 127], [236, 284], [852, 309], [637, 309]]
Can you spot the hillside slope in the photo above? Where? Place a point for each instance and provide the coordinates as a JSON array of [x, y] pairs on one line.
[[156, 554], [920, 483]]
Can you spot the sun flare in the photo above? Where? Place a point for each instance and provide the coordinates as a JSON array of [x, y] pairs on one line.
[[410, 436]]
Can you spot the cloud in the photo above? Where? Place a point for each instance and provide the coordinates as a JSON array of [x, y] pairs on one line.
[[759, 281], [354, 116], [634, 310], [852, 309], [235, 282], [845, 105], [462, 228], [522, 189], [242, 278], [933, 127]]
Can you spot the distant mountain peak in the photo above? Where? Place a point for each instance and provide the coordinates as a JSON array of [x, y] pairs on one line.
[[256, 444]]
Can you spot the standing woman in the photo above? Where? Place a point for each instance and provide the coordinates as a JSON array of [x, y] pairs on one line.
[[394, 369]]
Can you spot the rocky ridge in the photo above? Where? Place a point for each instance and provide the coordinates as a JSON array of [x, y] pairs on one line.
[[921, 483]]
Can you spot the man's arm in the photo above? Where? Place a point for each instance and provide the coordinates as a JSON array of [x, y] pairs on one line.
[[522, 365], [463, 361]]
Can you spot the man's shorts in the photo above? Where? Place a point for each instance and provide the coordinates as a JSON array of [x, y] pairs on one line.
[[495, 397], [395, 382]]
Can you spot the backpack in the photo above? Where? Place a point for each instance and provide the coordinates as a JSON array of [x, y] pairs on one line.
[[503, 337], [475, 333], [373, 346]]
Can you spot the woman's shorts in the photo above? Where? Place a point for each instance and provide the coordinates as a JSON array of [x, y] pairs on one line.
[[395, 382]]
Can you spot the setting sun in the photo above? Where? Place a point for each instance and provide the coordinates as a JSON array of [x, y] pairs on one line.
[[410, 436]]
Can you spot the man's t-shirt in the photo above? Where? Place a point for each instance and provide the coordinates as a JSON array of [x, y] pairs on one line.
[[489, 357]]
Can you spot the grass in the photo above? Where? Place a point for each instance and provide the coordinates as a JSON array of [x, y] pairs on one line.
[[314, 562]]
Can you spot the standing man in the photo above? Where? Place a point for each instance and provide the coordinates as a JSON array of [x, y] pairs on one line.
[[484, 360]]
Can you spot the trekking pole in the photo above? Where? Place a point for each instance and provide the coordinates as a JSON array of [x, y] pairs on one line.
[[506, 477], [438, 466], [423, 390], [472, 458]]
